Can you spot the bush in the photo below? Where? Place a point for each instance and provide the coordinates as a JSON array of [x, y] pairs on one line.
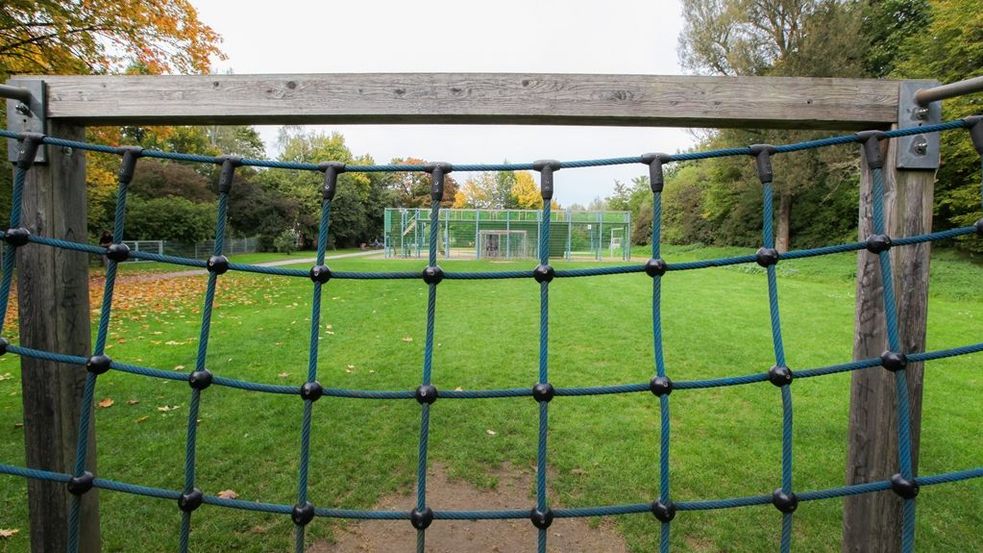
[[169, 218], [286, 241]]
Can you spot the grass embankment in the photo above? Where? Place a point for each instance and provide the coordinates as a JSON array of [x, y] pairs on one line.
[[603, 450]]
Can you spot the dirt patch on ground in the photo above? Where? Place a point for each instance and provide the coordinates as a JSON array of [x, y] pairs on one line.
[[453, 536]]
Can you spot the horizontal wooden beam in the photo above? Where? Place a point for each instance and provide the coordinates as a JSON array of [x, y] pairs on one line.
[[475, 98]]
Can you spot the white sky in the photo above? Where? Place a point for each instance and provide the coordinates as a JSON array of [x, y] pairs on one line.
[[531, 36]]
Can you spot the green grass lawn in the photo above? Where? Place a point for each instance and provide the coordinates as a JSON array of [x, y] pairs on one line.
[[603, 450], [250, 258]]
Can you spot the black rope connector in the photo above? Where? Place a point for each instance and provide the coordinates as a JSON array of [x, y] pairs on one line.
[[660, 385], [98, 364], [656, 267], [218, 264], [878, 243], [437, 172], [190, 501], [331, 170], [543, 392], [975, 124], [4, 343], [118, 252], [543, 273], [311, 391], [426, 393], [762, 161], [546, 168], [78, 485], [17, 237], [906, 489], [128, 165], [871, 142], [780, 375], [979, 227], [894, 361], [665, 512], [303, 513], [541, 519], [225, 176], [421, 520], [199, 380], [766, 257], [657, 178], [29, 144], [784, 502], [433, 275], [320, 273]]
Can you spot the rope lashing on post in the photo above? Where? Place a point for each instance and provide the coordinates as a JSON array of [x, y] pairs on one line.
[[904, 483]]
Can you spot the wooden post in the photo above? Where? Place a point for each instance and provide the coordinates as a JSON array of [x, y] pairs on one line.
[[53, 297], [872, 522]]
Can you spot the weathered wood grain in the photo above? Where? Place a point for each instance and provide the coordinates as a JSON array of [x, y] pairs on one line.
[[53, 297], [474, 98], [872, 522]]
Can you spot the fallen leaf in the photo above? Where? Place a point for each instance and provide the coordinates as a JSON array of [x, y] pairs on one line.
[[132, 401], [106, 403], [143, 418], [5, 376], [18, 425], [283, 375], [491, 432], [407, 338], [8, 532], [179, 367], [166, 408], [228, 494]]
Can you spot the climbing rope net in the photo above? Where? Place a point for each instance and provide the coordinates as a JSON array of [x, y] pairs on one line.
[[664, 508]]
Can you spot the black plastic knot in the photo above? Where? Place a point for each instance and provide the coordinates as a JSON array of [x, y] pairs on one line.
[[227, 173], [311, 391], [665, 512], [29, 144], [543, 273], [3, 345], [199, 380], [128, 164], [303, 513], [657, 179], [784, 502], [543, 392], [437, 172], [118, 252], [17, 237], [426, 393], [331, 171], [975, 124], [894, 361], [190, 501], [320, 273], [98, 364], [979, 227], [541, 519], [766, 257], [906, 489], [78, 485], [871, 142], [433, 275], [656, 267], [421, 520], [878, 243], [218, 264], [780, 375], [762, 160], [660, 385], [546, 168]]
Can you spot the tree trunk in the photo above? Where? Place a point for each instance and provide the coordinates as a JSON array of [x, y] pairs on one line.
[[872, 522], [53, 297], [783, 232]]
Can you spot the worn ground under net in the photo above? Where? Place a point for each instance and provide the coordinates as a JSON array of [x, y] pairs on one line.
[[573, 535]]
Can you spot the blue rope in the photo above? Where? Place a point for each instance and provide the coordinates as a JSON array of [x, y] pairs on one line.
[[660, 370], [9, 253], [544, 306]]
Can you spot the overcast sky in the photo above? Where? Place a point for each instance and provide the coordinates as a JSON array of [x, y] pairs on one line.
[[537, 36]]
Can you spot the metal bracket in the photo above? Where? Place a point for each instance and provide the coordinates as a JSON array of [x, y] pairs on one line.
[[918, 151], [23, 117]]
